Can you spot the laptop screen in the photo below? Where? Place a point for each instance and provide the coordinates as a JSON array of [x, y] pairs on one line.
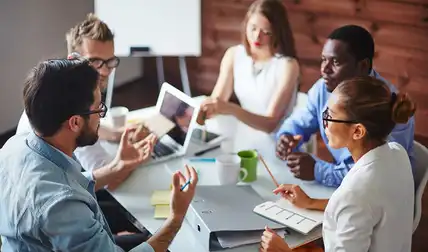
[[180, 113]]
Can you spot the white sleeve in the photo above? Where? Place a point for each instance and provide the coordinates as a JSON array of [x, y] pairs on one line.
[[24, 125], [354, 221], [93, 156]]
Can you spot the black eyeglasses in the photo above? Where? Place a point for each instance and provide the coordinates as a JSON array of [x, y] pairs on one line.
[[326, 117], [110, 63], [102, 111]]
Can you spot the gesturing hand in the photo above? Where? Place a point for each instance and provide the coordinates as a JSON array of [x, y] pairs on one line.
[[180, 200], [131, 155], [302, 165], [285, 145]]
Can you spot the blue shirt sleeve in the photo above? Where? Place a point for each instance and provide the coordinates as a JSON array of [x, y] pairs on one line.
[[303, 121], [330, 174], [70, 225]]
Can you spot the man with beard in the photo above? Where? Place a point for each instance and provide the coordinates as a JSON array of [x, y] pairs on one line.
[[347, 53], [46, 202], [92, 39]]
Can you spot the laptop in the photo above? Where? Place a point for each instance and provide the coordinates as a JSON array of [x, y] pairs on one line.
[[175, 115]]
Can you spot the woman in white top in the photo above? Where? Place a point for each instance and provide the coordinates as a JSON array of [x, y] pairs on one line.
[[263, 71], [372, 210]]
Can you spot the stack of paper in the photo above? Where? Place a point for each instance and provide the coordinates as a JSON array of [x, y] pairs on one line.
[[160, 200], [231, 239]]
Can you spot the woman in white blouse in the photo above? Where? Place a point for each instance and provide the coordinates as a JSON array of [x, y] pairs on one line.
[[372, 210], [262, 71]]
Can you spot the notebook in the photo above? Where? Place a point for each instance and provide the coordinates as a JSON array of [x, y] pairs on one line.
[[284, 212]]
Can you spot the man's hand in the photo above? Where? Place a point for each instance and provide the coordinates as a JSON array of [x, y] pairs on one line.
[[272, 242], [180, 200], [302, 165], [130, 156], [140, 133], [286, 144], [295, 195]]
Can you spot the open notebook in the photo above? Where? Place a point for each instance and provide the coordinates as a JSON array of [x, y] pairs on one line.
[[283, 212]]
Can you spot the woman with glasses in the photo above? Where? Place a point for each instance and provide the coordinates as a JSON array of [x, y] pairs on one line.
[[372, 210], [262, 71]]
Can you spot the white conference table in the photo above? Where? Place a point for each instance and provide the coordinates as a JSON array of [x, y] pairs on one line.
[[135, 193]]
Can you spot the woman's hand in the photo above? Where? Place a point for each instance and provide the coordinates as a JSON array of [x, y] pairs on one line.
[[295, 195], [272, 242], [214, 106]]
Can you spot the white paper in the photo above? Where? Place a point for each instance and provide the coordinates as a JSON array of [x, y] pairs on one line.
[[239, 238], [158, 124]]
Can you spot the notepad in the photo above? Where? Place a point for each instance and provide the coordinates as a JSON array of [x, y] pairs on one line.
[[162, 211], [161, 197]]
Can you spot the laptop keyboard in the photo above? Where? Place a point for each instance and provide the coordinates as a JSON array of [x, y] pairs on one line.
[[161, 150]]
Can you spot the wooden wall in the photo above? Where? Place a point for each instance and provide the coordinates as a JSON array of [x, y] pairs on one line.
[[399, 27]]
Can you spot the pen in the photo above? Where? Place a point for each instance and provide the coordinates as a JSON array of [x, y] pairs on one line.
[[209, 160], [205, 151], [184, 186]]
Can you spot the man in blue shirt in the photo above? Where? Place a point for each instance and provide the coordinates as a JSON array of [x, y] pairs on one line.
[[46, 202], [347, 53]]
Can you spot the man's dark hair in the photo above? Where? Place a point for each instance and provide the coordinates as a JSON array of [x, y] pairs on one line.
[[55, 90], [359, 40]]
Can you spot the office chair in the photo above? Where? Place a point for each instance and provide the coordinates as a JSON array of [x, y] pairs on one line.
[[421, 178]]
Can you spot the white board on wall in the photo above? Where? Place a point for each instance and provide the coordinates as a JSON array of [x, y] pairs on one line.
[[167, 27]]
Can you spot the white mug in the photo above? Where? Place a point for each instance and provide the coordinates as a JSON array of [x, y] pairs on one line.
[[229, 169], [118, 116]]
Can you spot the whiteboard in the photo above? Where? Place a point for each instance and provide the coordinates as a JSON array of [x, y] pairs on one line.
[[167, 27]]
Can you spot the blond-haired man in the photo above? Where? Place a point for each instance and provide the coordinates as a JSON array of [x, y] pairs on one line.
[[93, 40]]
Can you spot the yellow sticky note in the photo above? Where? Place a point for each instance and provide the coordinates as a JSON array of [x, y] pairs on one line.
[[162, 211], [161, 197]]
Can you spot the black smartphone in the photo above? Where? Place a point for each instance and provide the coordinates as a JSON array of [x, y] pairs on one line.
[[209, 136]]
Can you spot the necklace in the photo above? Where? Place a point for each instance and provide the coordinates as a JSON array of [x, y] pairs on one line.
[[258, 67]]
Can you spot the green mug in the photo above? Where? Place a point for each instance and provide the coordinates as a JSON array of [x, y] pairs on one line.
[[249, 161]]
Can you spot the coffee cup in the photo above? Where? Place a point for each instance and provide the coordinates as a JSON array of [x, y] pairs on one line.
[[118, 116], [229, 169], [249, 162]]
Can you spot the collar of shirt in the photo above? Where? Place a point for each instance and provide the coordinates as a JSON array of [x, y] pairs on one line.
[[70, 164], [372, 155]]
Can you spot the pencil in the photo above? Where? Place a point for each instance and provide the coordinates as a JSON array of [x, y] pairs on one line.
[[263, 161]]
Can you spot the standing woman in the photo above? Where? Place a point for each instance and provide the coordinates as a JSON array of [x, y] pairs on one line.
[[372, 210], [262, 71]]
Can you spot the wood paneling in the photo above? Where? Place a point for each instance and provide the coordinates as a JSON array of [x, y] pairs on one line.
[[399, 27]]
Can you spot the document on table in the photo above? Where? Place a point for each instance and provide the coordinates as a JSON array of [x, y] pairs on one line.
[[231, 239]]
